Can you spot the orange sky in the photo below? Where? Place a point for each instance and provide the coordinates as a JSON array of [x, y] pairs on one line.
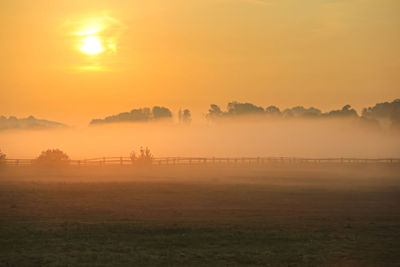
[[185, 53]]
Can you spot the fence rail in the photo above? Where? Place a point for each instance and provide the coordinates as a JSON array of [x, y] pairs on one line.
[[188, 161]]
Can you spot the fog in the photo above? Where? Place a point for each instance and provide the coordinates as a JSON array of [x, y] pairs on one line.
[[292, 138]]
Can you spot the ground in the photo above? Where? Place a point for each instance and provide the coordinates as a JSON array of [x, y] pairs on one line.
[[201, 216]]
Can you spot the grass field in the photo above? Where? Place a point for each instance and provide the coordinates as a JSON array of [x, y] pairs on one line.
[[276, 216]]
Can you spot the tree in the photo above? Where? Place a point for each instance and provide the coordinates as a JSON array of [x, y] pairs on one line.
[[236, 108], [345, 112], [52, 157], [144, 158], [161, 113], [301, 112], [395, 118], [214, 112], [273, 110], [185, 116]]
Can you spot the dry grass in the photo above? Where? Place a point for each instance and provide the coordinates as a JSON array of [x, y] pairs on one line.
[[271, 216]]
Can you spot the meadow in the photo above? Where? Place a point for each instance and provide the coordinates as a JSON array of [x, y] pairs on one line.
[[283, 215]]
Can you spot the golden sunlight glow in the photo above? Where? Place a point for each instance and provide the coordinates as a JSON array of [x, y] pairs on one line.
[[91, 45], [96, 34], [91, 28], [97, 37]]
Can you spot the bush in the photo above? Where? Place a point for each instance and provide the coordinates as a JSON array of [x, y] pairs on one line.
[[52, 157], [2, 158], [144, 158]]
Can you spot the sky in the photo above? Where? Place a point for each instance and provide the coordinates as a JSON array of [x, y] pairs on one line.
[[190, 54]]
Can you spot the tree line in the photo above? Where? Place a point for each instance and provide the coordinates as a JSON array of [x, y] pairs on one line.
[[385, 114], [382, 113]]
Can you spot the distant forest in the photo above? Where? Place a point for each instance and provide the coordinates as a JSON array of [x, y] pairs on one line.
[[27, 123], [386, 115], [137, 115]]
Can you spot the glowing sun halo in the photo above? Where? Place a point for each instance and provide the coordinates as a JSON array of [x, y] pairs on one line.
[[97, 38], [91, 45]]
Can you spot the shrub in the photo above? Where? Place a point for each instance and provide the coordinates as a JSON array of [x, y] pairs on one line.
[[2, 158], [52, 157], [143, 158]]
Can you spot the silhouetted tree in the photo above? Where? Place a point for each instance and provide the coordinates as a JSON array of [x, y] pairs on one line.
[[381, 110], [395, 118], [273, 110], [137, 115], [161, 113], [144, 158], [302, 112], [386, 113], [141, 114], [52, 157], [236, 108], [185, 116], [214, 112], [345, 112], [27, 123]]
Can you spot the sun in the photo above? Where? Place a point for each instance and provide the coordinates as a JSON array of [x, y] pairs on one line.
[[91, 45]]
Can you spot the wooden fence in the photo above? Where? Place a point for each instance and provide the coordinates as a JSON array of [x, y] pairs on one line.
[[221, 161]]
